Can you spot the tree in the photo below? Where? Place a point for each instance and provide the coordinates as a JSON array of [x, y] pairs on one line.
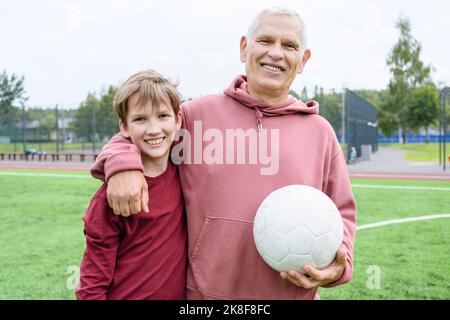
[[407, 72], [12, 92], [330, 106], [304, 95], [106, 119], [422, 108], [375, 97], [387, 121], [82, 124], [47, 124], [294, 94]]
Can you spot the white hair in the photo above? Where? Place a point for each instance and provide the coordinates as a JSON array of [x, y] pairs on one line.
[[279, 11]]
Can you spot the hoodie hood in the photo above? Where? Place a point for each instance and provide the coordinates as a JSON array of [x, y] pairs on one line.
[[238, 91]]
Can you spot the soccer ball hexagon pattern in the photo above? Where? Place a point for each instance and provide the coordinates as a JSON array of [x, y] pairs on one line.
[[297, 225]]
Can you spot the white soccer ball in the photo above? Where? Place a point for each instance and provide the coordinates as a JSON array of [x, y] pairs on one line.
[[297, 225]]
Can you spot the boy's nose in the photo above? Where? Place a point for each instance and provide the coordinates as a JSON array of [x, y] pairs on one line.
[[153, 130]]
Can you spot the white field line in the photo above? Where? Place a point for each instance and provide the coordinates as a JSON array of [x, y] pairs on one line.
[[398, 221], [53, 175], [372, 186], [356, 185]]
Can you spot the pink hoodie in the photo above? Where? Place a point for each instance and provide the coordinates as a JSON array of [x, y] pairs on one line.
[[222, 194]]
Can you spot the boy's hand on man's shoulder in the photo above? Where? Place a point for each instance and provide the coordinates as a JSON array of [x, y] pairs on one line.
[[127, 193]]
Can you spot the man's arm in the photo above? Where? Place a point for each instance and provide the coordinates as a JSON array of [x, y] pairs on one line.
[[119, 154], [102, 231], [119, 163], [340, 271], [340, 191]]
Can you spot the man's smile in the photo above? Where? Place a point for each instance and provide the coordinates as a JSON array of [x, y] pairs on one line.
[[272, 67]]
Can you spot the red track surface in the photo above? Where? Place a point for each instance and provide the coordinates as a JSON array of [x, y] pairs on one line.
[[42, 166], [87, 166]]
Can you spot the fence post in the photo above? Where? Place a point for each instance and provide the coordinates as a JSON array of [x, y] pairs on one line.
[[23, 129], [94, 135], [443, 126]]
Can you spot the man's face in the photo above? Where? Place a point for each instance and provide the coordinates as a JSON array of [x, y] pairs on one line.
[[272, 57]]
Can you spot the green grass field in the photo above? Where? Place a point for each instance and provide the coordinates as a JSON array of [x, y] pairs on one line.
[[419, 151], [42, 239]]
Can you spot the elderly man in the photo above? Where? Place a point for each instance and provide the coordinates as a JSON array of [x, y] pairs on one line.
[[224, 185]]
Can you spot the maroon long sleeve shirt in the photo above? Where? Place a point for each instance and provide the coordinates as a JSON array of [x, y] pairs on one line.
[[138, 257]]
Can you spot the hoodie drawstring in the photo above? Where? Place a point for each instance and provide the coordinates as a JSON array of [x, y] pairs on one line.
[[259, 117]]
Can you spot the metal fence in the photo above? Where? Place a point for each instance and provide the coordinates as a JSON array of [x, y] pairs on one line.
[[86, 128], [56, 129], [360, 124], [413, 138], [353, 119]]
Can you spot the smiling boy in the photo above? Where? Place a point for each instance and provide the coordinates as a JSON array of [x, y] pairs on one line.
[[143, 256]]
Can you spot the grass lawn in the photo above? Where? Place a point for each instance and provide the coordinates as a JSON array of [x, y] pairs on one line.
[[41, 234], [42, 238], [420, 152], [411, 259]]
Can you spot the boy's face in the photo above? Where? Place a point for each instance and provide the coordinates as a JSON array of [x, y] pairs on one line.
[[150, 128]]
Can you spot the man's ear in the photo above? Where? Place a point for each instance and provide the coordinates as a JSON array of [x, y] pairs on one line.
[[123, 129], [305, 59], [243, 47]]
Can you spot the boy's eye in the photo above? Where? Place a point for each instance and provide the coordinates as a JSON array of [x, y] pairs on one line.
[[164, 115], [138, 119]]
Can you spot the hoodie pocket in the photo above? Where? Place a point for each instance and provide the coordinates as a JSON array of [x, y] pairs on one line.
[[226, 264]]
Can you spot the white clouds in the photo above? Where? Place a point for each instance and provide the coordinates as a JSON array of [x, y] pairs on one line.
[[52, 36], [73, 17]]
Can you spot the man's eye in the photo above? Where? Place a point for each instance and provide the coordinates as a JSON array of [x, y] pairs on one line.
[[263, 41]]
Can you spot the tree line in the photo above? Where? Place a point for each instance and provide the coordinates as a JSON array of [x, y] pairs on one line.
[[409, 103]]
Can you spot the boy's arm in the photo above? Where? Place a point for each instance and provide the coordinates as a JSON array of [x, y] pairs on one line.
[[102, 231], [119, 163]]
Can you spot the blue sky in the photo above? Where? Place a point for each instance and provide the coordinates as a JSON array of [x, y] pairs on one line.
[[66, 49]]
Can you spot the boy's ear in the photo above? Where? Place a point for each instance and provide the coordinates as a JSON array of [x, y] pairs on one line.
[[123, 129], [179, 119]]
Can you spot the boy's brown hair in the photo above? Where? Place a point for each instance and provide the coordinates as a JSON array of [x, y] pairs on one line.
[[151, 87]]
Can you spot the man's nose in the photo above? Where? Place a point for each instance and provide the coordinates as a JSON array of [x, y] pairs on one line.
[[276, 51]]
